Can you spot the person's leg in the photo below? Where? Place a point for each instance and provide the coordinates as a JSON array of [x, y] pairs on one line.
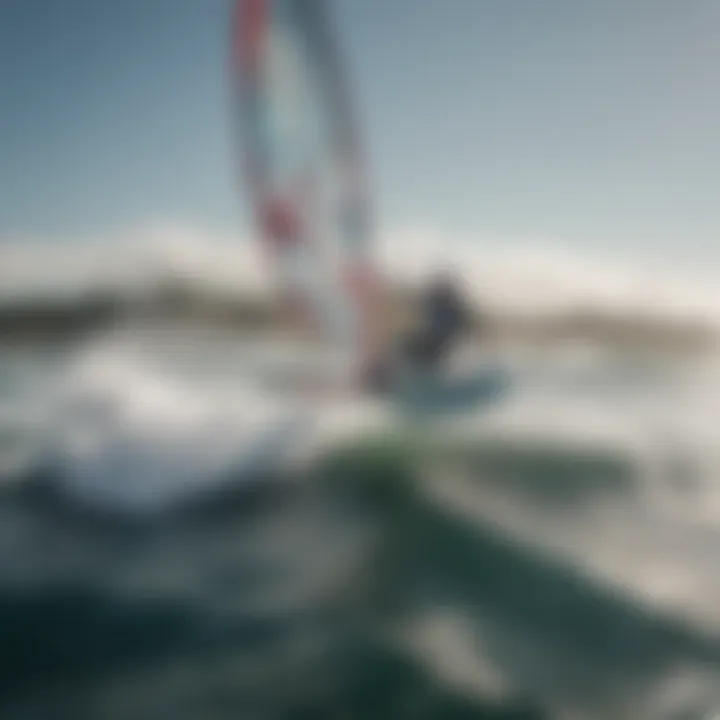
[[418, 351], [412, 348], [435, 350]]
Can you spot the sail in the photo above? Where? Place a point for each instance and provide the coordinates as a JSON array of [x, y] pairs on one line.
[[302, 164]]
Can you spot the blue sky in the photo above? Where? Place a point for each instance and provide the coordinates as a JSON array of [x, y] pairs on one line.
[[595, 123]]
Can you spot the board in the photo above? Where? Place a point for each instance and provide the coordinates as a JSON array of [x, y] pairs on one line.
[[461, 392]]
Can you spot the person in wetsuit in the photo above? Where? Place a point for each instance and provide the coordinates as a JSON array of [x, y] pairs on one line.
[[444, 319]]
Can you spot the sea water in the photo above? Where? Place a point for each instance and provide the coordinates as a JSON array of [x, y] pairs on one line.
[[553, 555]]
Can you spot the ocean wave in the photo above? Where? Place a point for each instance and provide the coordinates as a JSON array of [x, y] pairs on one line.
[[437, 611], [552, 556]]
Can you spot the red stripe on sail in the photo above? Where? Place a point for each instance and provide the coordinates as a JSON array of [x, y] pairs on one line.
[[280, 220], [250, 32]]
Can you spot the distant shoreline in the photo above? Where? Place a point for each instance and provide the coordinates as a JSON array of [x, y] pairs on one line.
[[40, 320]]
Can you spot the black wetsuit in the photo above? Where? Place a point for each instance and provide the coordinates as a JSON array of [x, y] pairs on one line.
[[445, 317]]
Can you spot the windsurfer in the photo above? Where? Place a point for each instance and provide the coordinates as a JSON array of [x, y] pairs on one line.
[[445, 317]]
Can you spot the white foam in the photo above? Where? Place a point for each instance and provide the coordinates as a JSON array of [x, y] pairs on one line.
[[131, 433], [132, 437]]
